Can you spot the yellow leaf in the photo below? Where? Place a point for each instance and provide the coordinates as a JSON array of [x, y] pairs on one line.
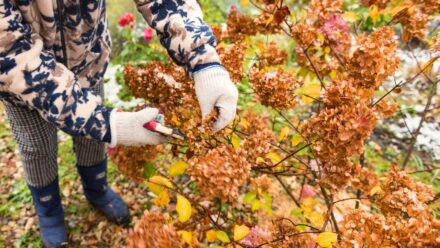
[[312, 90], [377, 189], [321, 37], [283, 134], [244, 3], [162, 199], [176, 121], [326, 239], [349, 16], [296, 139], [222, 236], [316, 218], [186, 236], [374, 13], [333, 74], [235, 140], [240, 231], [244, 123], [274, 158], [211, 236], [428, 65], [308, 204], [157, 184], [183, 208], [177, 168], [259, 160]]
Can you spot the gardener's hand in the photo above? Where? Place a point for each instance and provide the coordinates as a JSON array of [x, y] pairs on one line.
[[214, 88], [127, 128]]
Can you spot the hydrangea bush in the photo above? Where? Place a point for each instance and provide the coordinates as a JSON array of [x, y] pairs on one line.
[[290, 171]]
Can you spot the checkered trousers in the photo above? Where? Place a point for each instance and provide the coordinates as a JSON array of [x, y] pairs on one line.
[[37, 144]]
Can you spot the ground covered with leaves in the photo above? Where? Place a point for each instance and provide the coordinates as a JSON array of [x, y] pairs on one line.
[[87, 227]]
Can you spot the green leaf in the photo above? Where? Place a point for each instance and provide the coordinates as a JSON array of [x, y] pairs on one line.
[[267, 198], [149, 170], [249, 197], [255, 205], [222, 236], [298, 212]]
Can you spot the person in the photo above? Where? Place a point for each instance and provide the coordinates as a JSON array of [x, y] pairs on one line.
[[53, 56]]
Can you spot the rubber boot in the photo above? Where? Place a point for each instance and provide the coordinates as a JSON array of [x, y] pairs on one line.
[[47, 202], [101, 196]]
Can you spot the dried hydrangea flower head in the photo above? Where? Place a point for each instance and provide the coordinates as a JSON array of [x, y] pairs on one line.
[[274, 88], [239, 25], [131, 160], [400, 194], [153, 230], [366, 181], [304, 34], [286, 235], [375, 59], [320, 9], [271, 54], [233, 58], [220, 173], [405, 219], [414, 22]]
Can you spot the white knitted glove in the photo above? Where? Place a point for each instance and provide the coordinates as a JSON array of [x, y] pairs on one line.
[[214, 88], [127, 128]]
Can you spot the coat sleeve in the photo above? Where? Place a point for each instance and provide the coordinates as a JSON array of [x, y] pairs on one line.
[[182, 31], [30, 74]]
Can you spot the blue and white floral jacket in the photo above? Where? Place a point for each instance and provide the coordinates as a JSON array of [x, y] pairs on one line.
[[53, 51]]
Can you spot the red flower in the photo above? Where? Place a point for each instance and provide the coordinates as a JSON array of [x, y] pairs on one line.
[[148, 34], [125, 19]]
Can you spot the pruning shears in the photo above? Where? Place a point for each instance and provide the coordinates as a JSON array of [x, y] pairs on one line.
[[156, 125]]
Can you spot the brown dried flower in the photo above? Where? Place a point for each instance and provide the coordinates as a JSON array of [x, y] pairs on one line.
[[271, 54], [366, 181], [239, 25], [375, 59], [220, 173], [414, 21], [233, 58], [274, 88], [153, 230], [130, 160]]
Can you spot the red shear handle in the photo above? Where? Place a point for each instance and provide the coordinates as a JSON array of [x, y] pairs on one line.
[[151, 125]]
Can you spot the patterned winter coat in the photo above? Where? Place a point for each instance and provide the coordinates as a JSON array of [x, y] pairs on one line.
[[53, 51]]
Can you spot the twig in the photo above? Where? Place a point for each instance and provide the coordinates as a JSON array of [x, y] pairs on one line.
[[431, 95], [288, 191]]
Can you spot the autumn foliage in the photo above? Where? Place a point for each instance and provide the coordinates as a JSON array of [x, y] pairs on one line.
[[218, 187]]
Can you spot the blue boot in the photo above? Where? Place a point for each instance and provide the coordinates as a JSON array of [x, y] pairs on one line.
[[47, 202], [94, 181]]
